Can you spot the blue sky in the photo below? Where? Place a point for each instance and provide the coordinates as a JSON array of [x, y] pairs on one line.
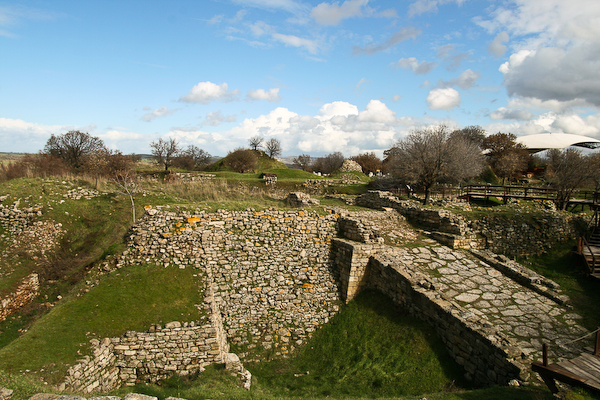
[[350, 76]]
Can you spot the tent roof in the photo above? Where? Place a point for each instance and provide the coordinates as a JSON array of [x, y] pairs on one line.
[[544, 141]]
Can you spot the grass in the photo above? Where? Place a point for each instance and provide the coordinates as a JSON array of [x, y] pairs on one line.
[[567, 269], [370, 349], [133, 298]]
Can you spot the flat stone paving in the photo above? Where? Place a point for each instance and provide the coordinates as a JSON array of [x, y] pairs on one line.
[[522, 314]]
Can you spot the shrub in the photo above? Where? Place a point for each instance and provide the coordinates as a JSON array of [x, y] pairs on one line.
[[242, 160]]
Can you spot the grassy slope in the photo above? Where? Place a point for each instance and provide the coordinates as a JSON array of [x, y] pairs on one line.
[[133, 298]]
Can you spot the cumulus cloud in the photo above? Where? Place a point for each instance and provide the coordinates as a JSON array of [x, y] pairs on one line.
[[419, 68], [496, 47], [157, 113], [403, 34], [553, 73], [206, 92], [556, 48], [260, 94], [443, 99]]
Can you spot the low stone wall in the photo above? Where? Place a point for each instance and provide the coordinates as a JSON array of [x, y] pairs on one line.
[[511, 236], [23, 295], [359, 230], [146, 356]]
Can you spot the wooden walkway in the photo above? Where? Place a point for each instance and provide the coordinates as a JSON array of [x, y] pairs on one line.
[[580, 371], [504, 193]]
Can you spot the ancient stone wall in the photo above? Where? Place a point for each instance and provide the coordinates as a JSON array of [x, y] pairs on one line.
[[512, 236], [23, 295], [487, 356]]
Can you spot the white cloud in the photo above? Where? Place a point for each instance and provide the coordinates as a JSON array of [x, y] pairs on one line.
[[443, 99], [466, 80], [419, 68], [332, 14], [260, 94], [205, 92], [403, 34], [216, 118], [157, 113], [290, 40], [556, 48], [424, 6], [496, 47], [508, 113]]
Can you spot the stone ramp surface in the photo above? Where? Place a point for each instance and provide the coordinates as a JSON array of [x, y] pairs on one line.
[[522, 314]]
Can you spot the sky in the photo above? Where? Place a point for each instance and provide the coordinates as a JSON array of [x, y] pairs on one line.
[[352, 76]]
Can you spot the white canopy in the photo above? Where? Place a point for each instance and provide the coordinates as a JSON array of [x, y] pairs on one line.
[[544, 141]]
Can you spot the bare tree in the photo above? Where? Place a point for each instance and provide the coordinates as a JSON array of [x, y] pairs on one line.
[[429, 156], [329, 164], [567, 170], [127, 186], [164, 152], [255, 142], [192, 157], [273, 147], [72, 147], [303, 162], [369, 162]]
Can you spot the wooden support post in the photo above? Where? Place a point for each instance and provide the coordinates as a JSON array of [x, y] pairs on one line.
[[597, 346], [545, 354]]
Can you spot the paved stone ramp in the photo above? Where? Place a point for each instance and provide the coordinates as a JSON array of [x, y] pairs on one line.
[[519, 312]]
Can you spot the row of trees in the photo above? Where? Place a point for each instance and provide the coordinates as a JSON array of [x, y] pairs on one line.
[[424, 158]]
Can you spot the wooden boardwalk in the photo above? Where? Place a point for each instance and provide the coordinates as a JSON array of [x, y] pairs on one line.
[[581, 371], [504, 193]]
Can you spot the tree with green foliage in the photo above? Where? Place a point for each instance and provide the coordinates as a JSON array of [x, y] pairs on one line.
[[73, 147], [505, 155], [432, 155], [473, 133]]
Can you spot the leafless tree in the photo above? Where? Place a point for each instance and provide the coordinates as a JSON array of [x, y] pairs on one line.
[[429, 156], [72, 147], [192, 158], [369, 162], [329, 164], [164, 151], [127, 186], [273, 147], [567, 170], [303, 162], [255, 142]]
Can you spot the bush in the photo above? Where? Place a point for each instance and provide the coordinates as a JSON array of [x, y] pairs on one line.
[[242, 160], [13, 170], [329, 164], [369, 162]]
